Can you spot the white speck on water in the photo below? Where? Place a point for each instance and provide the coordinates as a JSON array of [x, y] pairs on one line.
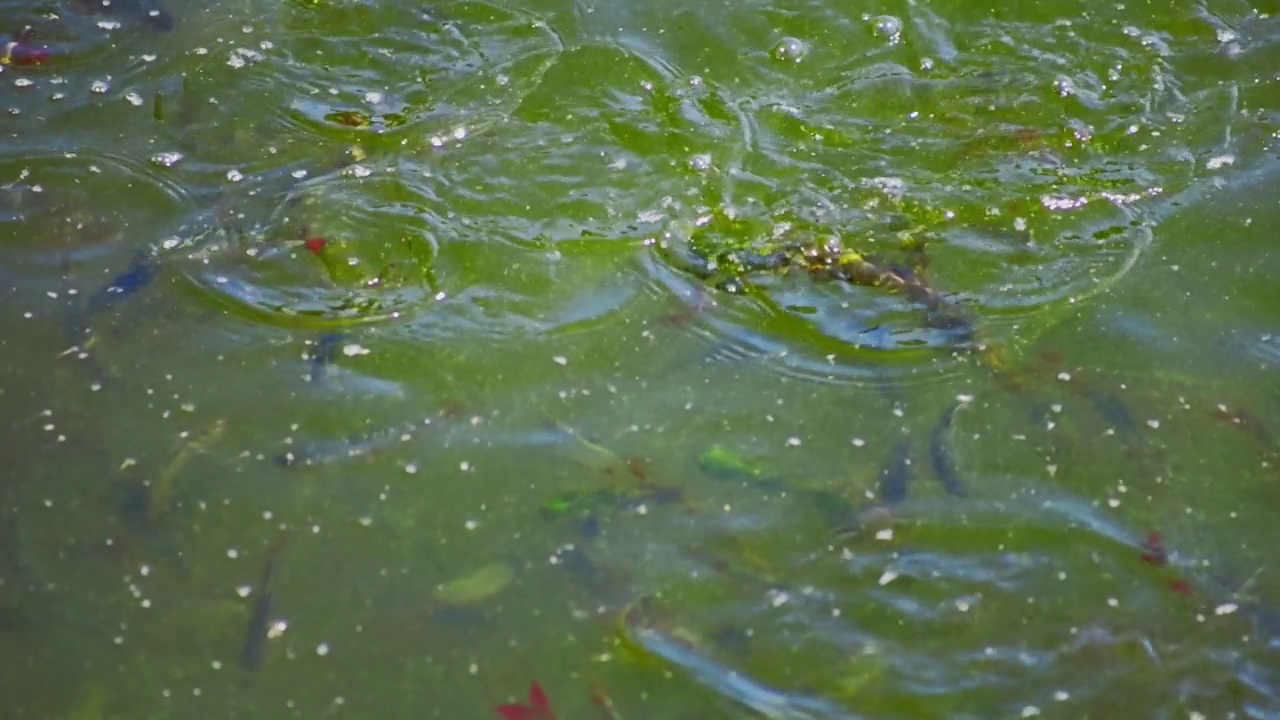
[[1056, 407], [888, 577], [145, 570], [473, 669], [1064, 376], [244, 590], [1219, 161], [859, 442], [216, 664], [128, 463], [357, 171], [235, 175], [146, 604], [322, 649], [99, 86], [561, 360], [221, 280], [201, 51], [109, 24], [886, 534], [365, 520], [411, 468], [459, 133], [298, 174], [353, 349], [779, 598], [471, 524], [1114, 502], [1052, 470], [233, 553], [1153, 424], [464, 466], [965, 399], [962, 605], [1061, 695], [23, 82], [1030, 711], [793, 442], [1225, 609], [277, 629], [1113, 602], [373, 97], [149, 58], [134, 99]]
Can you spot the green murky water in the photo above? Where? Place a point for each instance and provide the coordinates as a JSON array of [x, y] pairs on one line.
[[907, 360]]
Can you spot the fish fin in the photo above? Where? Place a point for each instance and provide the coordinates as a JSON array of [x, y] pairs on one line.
[[538, 698], [516, 712]]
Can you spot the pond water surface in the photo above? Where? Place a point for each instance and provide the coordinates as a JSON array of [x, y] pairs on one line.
[[904, 359]]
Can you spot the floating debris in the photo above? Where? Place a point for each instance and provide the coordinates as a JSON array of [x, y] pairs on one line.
[[476, 586]]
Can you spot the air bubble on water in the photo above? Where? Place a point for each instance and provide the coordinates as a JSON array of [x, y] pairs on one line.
[[1064, 86], [235, 175], [166, 159], [789, 49], [700, 162], [373, 97], [109, 25], [99, 86], [887, 27], [23, 82]]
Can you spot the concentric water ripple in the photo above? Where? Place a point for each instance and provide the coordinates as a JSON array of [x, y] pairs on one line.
[[75, 205], [338, 250]]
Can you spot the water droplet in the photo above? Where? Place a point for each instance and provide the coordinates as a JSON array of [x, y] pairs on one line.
[[789, 49]]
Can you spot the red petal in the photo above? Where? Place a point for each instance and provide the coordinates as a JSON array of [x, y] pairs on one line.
[[316, 244], [538, 698], [516, 712], [1182, 587]]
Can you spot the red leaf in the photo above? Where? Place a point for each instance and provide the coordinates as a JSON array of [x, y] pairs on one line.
[[1155, 554], [538, 698], [1182, 587], [316, 244], [517, 712]]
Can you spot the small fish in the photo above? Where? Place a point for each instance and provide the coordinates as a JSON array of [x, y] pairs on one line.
[[537, 709], [896, 474], [1113, 410], [141, 271], [326, 451], [325, 352], [256, 636], [944, 466]]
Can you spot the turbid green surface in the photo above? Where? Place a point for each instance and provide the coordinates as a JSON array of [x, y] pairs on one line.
[[791, 360]]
